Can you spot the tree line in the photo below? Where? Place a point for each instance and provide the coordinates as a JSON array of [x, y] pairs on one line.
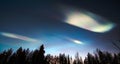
[[25, 56]]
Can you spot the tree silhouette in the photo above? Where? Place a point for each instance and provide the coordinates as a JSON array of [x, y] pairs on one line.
[[22, 56]]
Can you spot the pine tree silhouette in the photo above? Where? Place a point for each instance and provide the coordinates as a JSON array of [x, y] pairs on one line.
[[22, 56]]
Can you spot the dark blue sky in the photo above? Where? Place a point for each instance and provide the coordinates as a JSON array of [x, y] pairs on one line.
[[43, 20]]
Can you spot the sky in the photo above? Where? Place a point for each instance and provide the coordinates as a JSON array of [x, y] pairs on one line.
[[29, 24]]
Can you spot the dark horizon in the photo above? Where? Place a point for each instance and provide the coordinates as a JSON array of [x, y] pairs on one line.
[[25, 56]]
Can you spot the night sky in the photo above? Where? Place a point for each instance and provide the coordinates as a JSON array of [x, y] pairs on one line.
[[44, 22]]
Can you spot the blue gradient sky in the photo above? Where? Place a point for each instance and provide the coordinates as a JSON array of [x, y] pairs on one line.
[[42, 20]]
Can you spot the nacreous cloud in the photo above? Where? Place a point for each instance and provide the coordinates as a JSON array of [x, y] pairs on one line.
[[74, 41], [11, 35], [88, 21], [77, 41]]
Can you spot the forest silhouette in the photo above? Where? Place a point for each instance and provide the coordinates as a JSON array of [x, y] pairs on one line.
[[25, 56]]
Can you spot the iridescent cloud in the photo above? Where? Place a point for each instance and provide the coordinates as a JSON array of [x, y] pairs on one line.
[[20, 37], [74, 40], [77, 41], [88, 21]]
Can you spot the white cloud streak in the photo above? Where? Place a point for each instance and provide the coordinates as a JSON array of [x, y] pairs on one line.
[[20, 37]]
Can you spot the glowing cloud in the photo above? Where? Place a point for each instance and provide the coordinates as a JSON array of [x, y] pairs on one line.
[[10, 35], [88, 21], [77, 42], [74, 40]]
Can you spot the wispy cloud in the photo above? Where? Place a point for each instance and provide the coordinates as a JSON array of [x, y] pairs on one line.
[[74, 40], [20, 37]]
